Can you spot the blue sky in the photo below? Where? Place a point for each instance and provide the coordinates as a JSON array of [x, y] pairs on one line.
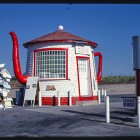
[[110, 25]]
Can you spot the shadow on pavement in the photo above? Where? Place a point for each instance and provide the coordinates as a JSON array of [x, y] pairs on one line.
[[120, 120], [84, 113], [124, 113]]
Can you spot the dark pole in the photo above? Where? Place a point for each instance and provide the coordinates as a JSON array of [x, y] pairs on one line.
[[138, 82], [136, 67], [136, 61], [137, 89]]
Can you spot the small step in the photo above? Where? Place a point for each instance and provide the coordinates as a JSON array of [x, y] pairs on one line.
[[86, 103]]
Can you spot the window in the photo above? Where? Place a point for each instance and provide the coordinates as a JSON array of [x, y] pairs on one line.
[[82, 65], [51, 63]]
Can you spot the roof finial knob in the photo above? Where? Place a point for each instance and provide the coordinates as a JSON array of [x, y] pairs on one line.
[[60, 28]]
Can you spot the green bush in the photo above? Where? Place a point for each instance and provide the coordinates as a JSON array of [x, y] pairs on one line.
[[117, 79]]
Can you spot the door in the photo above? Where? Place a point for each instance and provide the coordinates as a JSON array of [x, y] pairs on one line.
[[84, 78]]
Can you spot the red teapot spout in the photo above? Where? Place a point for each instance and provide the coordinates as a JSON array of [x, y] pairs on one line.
[[16, 62]]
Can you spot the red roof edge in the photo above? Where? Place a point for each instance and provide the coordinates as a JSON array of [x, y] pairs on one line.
[[93, 44]]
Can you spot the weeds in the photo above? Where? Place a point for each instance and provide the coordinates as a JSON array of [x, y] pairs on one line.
[[117, 79]]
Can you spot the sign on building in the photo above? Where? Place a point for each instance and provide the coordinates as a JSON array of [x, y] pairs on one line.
[[82, 50], [31, 90]]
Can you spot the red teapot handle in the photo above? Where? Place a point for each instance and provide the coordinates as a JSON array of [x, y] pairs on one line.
[[99, 74]]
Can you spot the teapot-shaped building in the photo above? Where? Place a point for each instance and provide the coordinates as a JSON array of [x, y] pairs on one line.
[[64, 63]]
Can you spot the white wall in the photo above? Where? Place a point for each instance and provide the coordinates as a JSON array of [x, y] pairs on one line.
[[62, 85]]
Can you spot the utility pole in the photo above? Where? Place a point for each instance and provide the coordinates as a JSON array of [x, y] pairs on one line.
[[136, 67]]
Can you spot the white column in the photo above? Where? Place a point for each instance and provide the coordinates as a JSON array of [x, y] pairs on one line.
[[138, 106], [33, 103], [107, 106], [103, 99], [70, 99], [99, 96], [39, 98], [104, 95], [58, 96]]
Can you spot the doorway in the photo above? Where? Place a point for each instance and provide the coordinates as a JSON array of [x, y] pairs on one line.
[[84, 78]]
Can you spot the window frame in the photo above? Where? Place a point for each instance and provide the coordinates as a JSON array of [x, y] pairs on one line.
[[52, 49]]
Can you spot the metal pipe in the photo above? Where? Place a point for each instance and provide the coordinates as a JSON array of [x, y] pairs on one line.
[[138, 82], [104, 95], [107, 106], [58, 96], [136, 67], [99, 96], [70, 99], [40, 99], [138, 107]]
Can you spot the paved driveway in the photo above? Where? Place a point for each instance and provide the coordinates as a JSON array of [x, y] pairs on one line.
[[68, 120]]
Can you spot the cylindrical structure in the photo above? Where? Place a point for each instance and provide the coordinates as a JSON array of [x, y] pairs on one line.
[[99, 96], [16, 62], [40, 101], [138, 106], [136, 67], [136, 52], [18, 97], [58, 96], [104, 95], [107, 106], [70, 101], [138, 82], [136, 61]]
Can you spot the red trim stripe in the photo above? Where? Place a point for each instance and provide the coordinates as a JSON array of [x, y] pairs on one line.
[[63, 100]]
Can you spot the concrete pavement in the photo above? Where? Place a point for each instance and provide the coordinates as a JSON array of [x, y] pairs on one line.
[[68, 120]]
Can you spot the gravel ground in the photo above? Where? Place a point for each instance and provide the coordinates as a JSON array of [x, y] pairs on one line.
[[69, 121]]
